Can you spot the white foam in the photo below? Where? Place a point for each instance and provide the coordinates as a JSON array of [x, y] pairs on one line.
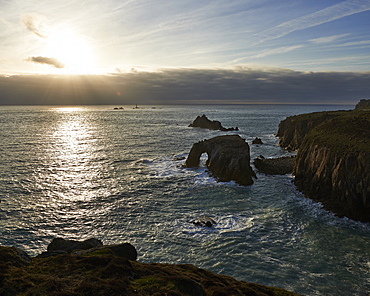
[[224, 224]]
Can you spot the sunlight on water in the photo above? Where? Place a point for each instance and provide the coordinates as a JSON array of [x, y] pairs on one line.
[[81, 172]]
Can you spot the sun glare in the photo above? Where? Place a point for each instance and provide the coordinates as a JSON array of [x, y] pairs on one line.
[[73, 51]]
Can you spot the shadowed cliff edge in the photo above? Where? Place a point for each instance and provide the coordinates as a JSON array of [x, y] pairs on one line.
[[333, 160], [102, 270]]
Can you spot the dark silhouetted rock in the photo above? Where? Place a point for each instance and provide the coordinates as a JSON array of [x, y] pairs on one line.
[[204, 221], [228, 158], [125, 250], [364, 104], [60, 244], [204, 122], [257, 141], [275, 166]]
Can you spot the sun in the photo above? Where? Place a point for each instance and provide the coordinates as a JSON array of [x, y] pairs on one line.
[[73, 51]]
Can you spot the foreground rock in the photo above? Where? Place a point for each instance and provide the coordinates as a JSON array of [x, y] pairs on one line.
[[59, 246], [275, 166], [103, 273], [228, 158], [333, 160], [204, 122], [363, 105]]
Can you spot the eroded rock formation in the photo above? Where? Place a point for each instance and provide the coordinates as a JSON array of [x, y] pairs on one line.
[[228, 158], [333, 160], [275, 166], [204, 122]]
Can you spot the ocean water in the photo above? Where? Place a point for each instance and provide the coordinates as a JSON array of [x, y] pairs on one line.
[[82, 172]]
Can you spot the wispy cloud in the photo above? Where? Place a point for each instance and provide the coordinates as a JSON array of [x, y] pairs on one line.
[[325, 15], [356, 43], [46, 61], [327, 39], [278, 50], [35, 24]]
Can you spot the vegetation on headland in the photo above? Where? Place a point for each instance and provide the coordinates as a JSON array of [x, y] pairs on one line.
[[333, 160], [344, 134], [344, 131], [103, 273]]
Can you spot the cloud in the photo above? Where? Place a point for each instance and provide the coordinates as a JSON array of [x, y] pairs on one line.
[[47, 61], [327, 39], [35, 24], [278, 50], [325, 15], [239, 85]]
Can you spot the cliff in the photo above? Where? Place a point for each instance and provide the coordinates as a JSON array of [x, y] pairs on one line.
[[333, 160], [103, 273], [228, 158], [293, 129]]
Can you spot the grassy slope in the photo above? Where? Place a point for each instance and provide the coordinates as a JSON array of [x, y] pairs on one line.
[[102, 273], [347, 133]]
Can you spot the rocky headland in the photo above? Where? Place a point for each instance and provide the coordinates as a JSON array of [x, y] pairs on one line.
[[333, 160], [228, 158], [204, 122], [103, 271]]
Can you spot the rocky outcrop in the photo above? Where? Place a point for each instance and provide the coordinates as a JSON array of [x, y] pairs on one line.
[[333, 160], [204, 122], [363, 105], [257, 141], [103, 273], [204, 221], [275, 166], [60, 246], [293, 129], [228, 158], [333, 166]]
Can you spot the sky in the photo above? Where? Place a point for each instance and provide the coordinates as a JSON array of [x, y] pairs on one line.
[[184, 52]]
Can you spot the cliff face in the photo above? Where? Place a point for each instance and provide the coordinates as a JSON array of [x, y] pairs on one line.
[[293, 129], [333, 162]]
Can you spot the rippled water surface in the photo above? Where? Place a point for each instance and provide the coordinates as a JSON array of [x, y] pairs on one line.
[[86, 172]]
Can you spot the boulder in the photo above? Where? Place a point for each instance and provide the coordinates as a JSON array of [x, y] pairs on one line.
[[275, 166], [204, 122], [124, 250], [228, 158], [62, 245], [257, 141], [204, 221]]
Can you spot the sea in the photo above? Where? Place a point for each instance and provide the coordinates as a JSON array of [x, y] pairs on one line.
[[117, 175]]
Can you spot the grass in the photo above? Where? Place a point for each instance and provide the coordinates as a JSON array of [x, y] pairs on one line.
[[344, 134], [101, 273]]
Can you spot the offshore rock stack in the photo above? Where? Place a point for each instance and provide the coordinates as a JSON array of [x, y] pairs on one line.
[[228, 158]]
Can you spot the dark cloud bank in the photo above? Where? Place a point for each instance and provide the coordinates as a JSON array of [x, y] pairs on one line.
[[187, 86]]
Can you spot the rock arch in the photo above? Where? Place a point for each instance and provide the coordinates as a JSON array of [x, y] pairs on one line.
[[228, 158]]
